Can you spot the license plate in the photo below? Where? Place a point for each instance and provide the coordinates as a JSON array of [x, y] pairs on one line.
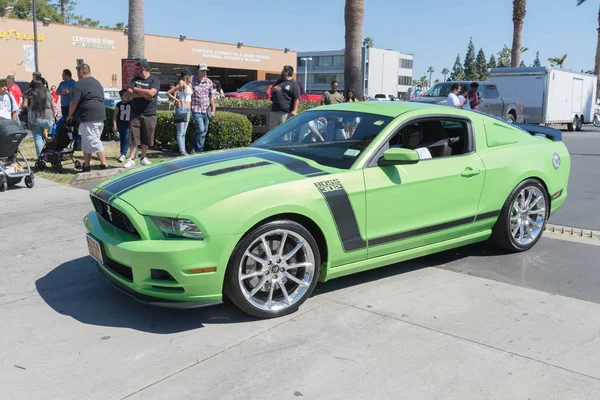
[[95, 249]]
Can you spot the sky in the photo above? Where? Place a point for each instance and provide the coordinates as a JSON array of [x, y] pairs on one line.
[[435, 31]]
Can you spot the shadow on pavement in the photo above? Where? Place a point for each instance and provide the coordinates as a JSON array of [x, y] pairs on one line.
[[76, 289]]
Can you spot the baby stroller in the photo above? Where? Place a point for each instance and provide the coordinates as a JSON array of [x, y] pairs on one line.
[[11, 168], [60, 147]]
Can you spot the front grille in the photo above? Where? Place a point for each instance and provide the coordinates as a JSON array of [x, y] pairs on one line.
[[122, 270], [114, 216]]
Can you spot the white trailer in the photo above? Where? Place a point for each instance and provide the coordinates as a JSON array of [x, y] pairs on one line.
[[551, 95]]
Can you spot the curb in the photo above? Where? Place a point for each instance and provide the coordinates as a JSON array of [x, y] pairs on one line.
[[97, 174], [574, 232]]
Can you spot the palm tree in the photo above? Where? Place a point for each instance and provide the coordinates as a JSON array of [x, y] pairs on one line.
[[368, 42], [597, 63], [436, 81], [445, 72], [354, 15], [430, 70], [518, 17], [423, 81], [135, 29], [560, 61]]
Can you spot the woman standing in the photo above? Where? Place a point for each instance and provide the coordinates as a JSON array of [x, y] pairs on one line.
[[182, 106], [40, 112], [217, 91], [349, 96]]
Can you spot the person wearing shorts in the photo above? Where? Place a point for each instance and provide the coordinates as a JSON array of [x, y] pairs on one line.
[[143, 92], [87, 105]]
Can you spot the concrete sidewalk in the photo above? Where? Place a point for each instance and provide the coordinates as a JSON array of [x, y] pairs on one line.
[[397, 332]]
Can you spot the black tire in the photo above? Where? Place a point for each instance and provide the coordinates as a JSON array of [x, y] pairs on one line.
[[3, 187], [58, 167], [501, 233], [40, 165], [30, 181], [571, 126], [579, 125], [231, 286], [510, 118]]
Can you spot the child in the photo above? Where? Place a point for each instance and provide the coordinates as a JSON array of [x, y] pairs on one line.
[[463, 99], [121, 118]]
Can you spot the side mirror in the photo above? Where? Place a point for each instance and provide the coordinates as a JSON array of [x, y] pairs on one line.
[[398, 156]]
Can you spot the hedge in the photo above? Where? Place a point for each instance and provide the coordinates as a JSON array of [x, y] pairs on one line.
[[226, 130]]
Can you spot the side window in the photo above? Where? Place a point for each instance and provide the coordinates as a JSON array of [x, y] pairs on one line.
[[434, 138], [492, 92]]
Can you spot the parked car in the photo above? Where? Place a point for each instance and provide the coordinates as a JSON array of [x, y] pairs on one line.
[[261, 90], [385, 97], [111, 97], [551, 95], [508, 108], [331, 192], [163, 98]]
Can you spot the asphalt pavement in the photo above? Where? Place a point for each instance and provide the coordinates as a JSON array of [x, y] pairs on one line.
[[470, 323]]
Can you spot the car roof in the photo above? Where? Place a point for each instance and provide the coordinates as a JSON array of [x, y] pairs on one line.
[[392, 108]]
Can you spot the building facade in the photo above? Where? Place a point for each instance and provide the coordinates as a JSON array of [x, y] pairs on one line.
[[61, 46], [384, 71]]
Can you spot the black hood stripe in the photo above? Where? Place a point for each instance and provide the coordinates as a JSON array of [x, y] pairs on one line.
[[132, 181], [293, 164], [235, 168]]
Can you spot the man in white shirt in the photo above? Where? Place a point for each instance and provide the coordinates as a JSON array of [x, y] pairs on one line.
[[453, 100], [9, 108]]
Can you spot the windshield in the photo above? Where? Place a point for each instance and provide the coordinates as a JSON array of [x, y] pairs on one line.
[[255, 87], [109, 94], [440, 90], [331, 138]]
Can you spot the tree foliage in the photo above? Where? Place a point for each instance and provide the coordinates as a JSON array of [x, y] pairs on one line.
[[492, 63], [458, 73], [470, 67], [537, 62], [481, 66]]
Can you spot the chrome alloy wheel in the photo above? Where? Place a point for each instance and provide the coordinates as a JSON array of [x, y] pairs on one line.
[[528, 215], [276, 270]]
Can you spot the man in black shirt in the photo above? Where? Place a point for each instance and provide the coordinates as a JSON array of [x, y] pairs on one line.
[[87, 104], [143, 91], [285, 95]]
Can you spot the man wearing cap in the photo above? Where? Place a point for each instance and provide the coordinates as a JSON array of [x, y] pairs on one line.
[[87, 103], [142, 90], [285, 95], [203, 106]]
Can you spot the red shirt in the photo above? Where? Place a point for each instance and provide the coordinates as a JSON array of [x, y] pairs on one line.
[[15, 90], [55, 97], [474, 100]]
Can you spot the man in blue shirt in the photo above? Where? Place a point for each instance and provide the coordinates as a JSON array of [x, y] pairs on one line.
[[64, 91]]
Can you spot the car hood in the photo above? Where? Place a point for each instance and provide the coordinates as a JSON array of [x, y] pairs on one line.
[[169, 188], [429, 100]]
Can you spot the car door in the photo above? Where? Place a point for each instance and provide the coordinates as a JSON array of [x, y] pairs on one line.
[[434, 200], [492, 102]]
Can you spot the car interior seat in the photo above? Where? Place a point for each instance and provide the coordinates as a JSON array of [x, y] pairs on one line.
[[436, 139]]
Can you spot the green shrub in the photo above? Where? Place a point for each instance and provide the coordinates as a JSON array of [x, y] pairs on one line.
[[228, 130]]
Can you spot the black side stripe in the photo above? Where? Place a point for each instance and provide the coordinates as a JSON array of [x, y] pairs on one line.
[[339, 204], [341, 209], [421, 231], [487, 215], [293, 164], [223, 171], [132, 181]]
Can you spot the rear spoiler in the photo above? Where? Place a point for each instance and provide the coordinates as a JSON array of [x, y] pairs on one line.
[[551, 133]]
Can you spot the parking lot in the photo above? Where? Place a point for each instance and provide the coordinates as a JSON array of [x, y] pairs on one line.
[[469, 323]]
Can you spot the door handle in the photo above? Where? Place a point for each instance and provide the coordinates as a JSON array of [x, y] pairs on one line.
[[469, 172]]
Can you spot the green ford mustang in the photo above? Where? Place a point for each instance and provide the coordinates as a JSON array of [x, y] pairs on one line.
[[334, 191]]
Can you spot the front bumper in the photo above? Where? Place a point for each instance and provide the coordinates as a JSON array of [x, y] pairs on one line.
[[157, 272]]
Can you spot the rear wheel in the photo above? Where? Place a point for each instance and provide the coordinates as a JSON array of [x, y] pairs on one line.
[[596, 120], [572, 125], [29, 181], [510, 118], [273, 269], [523, 217], [579, 124]]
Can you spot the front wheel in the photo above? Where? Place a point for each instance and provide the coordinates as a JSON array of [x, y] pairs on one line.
[[523, 217], [273, 269], [510, 118], [579, 125], [596, 120], [30, 181]]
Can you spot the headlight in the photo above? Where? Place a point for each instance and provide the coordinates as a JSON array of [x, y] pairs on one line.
[[176, 227]]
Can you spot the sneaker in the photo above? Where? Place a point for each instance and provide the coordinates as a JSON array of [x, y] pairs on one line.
[[103, 166], [122, 159], [145, 161], [130, 163], [86, 169]]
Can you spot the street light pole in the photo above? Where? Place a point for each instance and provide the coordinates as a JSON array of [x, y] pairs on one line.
[[35, 36], [305, 59]]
